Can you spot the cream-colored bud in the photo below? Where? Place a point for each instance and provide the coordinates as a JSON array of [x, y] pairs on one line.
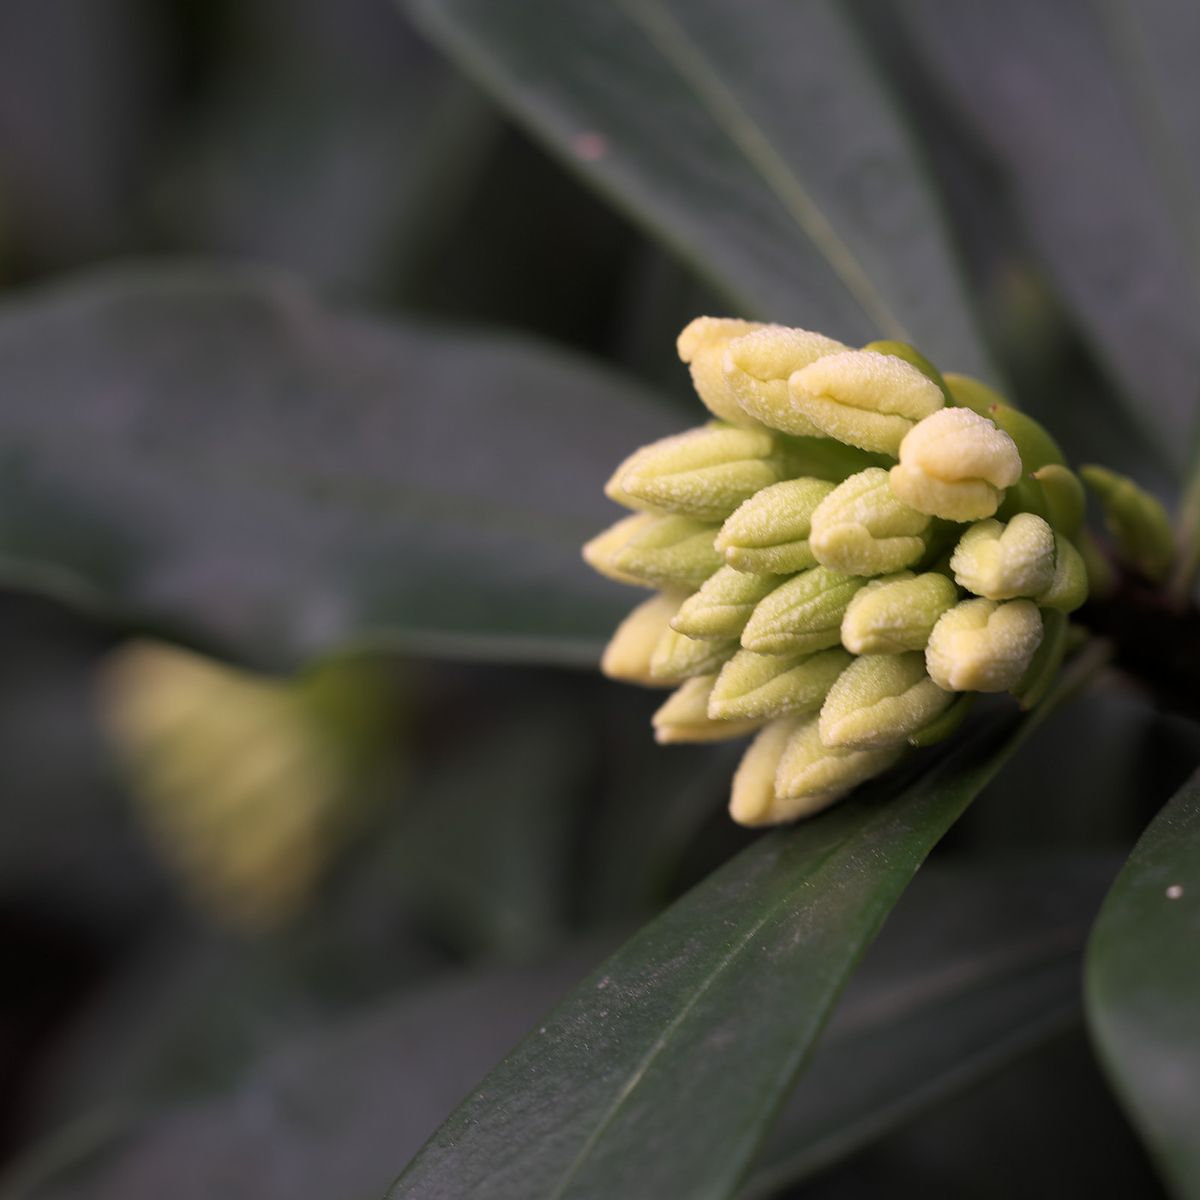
[[758, 366], [880, 700], [769, 532], [1002, 562], [668, 552], [1068, 589], [704, 473], [983, 646], [627, 655], [802, 615], [684, 717], [770, 685], [599, 552], [676, 658], [897, 614], [860, 528], [753, 801], [956, 465], [702, 345], [721, 608], [809, 768], [863, 398]]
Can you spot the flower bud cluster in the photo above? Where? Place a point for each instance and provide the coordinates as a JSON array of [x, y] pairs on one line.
[[848, 546]]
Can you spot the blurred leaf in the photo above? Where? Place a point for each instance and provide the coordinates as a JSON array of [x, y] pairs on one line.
[[978, 965], [660, 1074], [1093, 119], [756, 140], [1143, 987], [215, 454]]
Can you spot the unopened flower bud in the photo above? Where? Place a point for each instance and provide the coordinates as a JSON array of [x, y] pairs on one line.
[[866, 399], [810, 769], [771, 685], [1069, 587], [915, 358], [702, 346], [860, 528], [768, 534], [983, 646], [956, 465], [704, 473], [757, 368], [1138, 522], [752, 801], [667, 552], [802, 615], [684, 717], [721, 608], [676, 658], [599, 552], [897, 614], [880, 700], [1065, 498], [1002, 562], [627, 655]]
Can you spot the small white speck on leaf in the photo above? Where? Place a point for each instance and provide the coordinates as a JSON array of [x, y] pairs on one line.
[[1174, 891]]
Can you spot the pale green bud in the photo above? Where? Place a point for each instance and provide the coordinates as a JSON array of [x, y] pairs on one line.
[[865, 399], [768, 534], [599, 552], [668, 552], [880, 700], [897, 614], [810, 769], [752, 800], [1065, 498], [983, 646], [945, 726], [1003, 562], [702, 345], [1068, 589], [860, 528], [770, 685], [956, 465], [802, 615], [972, 393], [1043, 668], [757, 368], [676, 658], [627, 655], [704, 473], [721, 608], [1137, 521], [684, 717]]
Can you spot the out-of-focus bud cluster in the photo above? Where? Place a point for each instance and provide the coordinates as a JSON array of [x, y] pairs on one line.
[[850, 543]]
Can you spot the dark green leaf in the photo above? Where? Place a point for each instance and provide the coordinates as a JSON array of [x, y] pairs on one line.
[[978, 965], [1143, 987], [1087, 108], [754, 139], [216, 454], [660, 1074]]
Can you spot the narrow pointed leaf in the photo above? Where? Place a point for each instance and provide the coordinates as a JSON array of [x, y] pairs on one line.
[[215, 454], [1143, 987], [661, 1073], [755, 139]]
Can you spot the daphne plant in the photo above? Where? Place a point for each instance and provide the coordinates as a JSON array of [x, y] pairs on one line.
[[849, 548]]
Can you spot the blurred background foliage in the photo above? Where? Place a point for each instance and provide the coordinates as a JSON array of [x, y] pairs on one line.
[[180, 1016]]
